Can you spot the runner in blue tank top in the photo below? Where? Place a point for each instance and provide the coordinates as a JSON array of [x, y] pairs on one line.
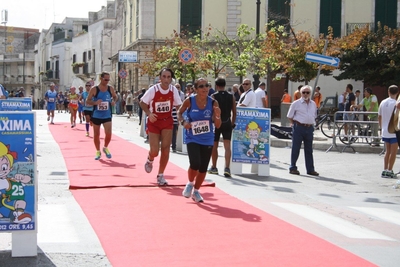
[[87, 109], [102, 97], [202, 113]]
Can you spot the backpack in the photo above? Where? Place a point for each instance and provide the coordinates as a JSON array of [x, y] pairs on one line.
[[4, 91]]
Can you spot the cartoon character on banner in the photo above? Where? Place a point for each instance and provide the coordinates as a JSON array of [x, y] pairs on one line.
[[257, 144], [12, 193]]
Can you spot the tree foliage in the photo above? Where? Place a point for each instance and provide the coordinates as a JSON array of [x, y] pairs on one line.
[[375, 59]]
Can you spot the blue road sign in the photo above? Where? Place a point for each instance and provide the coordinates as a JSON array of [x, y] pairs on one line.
[[321, 59], [186, 56]]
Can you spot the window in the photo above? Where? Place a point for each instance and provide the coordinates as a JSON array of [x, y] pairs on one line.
[[191, 16], [56, 75], [130, 23], [73, 58], [330, 15], [386, 13], [89, 55], [84, 56], [279, 11]]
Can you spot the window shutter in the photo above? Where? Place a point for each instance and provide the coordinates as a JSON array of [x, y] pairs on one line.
[[330, 15], [386, 13]]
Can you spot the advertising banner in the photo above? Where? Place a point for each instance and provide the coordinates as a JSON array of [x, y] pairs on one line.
[[251, 136], [16, 104], [18, 179]]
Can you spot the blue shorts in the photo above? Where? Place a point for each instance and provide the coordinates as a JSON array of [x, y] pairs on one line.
[[51, 106], [391, 141], [80, 108]]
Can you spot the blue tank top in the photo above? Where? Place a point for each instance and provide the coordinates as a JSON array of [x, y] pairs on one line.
[[86, 106], [103, 111], [51, 96], [202, 131]]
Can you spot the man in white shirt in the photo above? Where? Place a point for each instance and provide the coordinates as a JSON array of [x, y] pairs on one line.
[[261, 96], [248, 97], [302, 114]]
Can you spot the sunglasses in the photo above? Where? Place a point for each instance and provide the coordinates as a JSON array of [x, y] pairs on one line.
[[106, 80], [246, 84], [87, 85], [306, 93], [202, 86]]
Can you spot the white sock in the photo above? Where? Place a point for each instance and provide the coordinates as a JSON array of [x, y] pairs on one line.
[[192, 183]]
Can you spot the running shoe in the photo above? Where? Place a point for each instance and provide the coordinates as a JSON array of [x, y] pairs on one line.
[[48, 118], [213, 170], [384, 174], [51, 122], [98, 155], [390, 174], [107, 152], [87, 133], [161, 180], [187, 192], [227, 172], [196, 196], [148, 167]]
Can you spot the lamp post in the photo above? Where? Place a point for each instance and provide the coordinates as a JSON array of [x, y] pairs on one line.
[[4, 20]]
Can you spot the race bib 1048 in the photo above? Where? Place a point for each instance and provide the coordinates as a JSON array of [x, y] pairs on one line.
[[200, 127]]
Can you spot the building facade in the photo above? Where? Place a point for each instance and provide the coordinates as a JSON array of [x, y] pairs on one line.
[[17, 59]]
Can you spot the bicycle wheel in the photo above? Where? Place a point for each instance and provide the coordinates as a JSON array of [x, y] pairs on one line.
[[353, 131], [327, 128]]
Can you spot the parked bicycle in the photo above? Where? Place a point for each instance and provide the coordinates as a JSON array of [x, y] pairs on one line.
[[356, 131], [325, 123]]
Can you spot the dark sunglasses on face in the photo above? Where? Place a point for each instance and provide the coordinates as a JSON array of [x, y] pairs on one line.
[[202, 86], [246, 84], [87, 85], [106, 80], [306, 92]]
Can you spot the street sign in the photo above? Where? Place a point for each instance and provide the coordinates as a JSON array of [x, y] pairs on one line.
[[128, 56], [122, 73], [186, 55], [321, 59]]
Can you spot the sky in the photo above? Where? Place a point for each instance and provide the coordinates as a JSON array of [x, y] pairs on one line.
[[40, 14]]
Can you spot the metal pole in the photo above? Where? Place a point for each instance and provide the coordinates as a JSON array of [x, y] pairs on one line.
[[319, 70], [258, 2]]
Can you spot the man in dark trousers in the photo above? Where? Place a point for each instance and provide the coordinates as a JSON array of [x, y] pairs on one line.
[[140, 109], [227, 104], [302, 114]]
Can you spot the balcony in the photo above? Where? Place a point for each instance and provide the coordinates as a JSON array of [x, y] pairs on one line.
[[350, 27]]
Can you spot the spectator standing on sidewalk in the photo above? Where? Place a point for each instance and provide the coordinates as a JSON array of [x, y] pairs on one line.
[[227, 104], [286, 98], [302, 114], [129, 104], [261, 96], [370, 102], [385, 111], [248, 98], [318, 97]]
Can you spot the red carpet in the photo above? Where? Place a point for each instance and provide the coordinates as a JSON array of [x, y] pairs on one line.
[[127, 162], [151, 226]]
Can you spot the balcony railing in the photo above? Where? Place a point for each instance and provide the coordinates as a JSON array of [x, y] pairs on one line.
[[350, 27]]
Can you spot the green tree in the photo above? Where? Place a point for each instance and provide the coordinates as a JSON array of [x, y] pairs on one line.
[[375, 59]]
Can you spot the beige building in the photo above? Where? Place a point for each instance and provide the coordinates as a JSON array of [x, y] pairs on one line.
[[17, 59], [150, 21]]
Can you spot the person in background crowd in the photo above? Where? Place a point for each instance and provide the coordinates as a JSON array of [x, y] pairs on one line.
[[318, 97], [302, 114], [211, 90], [227, 105], [297, 94], [60, 102], [140, 109], [286, 98], [181, 94], [370, 101], [248, 98], [261, 96], [202, 113], [341, 101], [157, 103], [51, 98], [66, 102], [87, 109], [73, 105], [129, 104], [385, 111], [80, 104], [236, 92]]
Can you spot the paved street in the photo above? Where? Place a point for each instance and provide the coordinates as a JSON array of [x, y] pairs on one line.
[[349, 204]]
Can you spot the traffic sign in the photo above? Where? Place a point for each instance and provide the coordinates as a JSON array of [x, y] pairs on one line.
[[321, 59], [122, 73], [186, 55]]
